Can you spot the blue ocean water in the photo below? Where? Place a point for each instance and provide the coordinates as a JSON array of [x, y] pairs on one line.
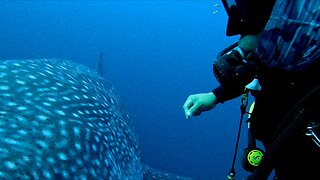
[[157, 53]]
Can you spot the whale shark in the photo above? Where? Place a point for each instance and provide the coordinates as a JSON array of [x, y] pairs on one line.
[[62, 120]]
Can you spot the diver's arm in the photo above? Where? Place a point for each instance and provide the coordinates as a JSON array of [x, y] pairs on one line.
[[248, 21], [233, 89], [223, 94], [198, 103]]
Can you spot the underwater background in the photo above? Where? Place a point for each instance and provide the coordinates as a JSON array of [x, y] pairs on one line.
[[156, 53]]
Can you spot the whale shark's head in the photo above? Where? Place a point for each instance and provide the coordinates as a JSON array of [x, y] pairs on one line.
[[61, 120]]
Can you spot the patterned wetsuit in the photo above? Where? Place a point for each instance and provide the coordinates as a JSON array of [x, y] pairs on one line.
[[289, 54]]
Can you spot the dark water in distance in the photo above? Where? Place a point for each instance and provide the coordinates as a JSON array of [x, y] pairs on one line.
[[157, 53]]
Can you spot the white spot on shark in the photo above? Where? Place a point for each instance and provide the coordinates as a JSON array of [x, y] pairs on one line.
[[42, 144], [59, 84], [4, 87], [46, 104], [59, 112], [10, 103], [21, 108], [49, 72], [3, 67], [18, 81], [77, 97], [66, 98], [51, 160], [2, 74], [76, 131], [32, 77], [22, 132], [75, 115], [42, 117], [10, 165], [10, 141], [47, 133], [78, 146], [51, 99], [26, 158], [17, 64], [29, 94], [47, 174]]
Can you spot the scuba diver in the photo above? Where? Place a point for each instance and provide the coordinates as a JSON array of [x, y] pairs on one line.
[[277, 60]]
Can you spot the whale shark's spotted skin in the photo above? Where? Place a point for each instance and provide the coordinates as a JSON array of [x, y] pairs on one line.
[[60, 120]]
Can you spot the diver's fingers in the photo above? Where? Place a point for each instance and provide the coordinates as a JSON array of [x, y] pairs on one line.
[[187, 105], [195, 109]]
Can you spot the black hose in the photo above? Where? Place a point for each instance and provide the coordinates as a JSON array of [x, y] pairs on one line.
[[298, 117], [243, 106]]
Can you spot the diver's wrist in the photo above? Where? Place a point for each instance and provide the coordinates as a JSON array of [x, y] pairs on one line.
[[249, 42]]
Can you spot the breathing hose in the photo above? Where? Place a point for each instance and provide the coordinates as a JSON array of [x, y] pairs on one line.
[[298, 117]]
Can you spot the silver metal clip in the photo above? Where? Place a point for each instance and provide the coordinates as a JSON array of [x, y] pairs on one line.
[[310, 131]]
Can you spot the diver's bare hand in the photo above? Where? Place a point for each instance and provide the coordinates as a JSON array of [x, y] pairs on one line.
[[198, 103]]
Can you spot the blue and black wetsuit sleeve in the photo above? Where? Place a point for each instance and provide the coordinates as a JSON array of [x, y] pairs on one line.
[[249, 17], [225, 94]]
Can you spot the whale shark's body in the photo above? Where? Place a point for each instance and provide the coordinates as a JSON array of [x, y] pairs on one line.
[[60, 120]]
